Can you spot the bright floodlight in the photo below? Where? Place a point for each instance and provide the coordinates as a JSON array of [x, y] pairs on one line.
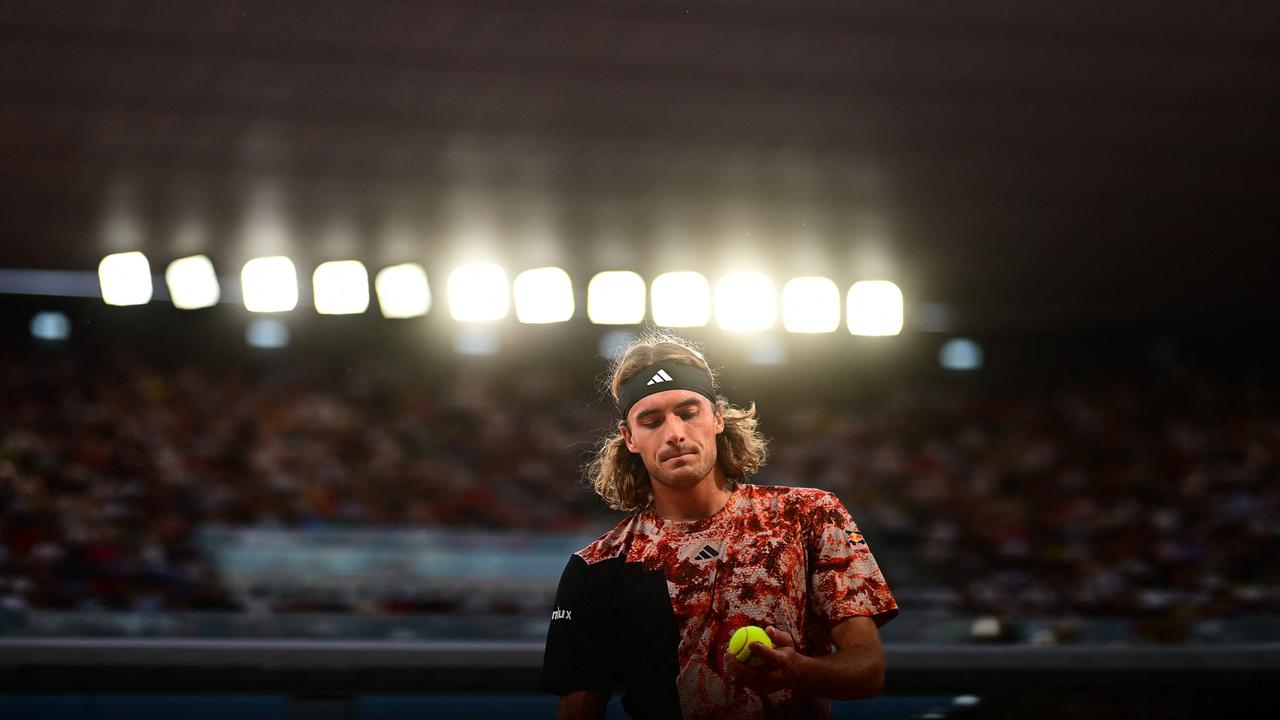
[[125, 279], [810, 305], [341, 287], [403, 291], [746, 302], [681, 299], [478, 292], [874, 308], [543, 295], [616, 298], [269, 284], [192, 283]]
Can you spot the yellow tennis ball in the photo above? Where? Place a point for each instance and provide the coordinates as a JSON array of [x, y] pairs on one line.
[[740, 643]]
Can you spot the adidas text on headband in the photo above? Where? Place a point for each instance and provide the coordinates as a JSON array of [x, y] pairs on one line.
[[660, 377]]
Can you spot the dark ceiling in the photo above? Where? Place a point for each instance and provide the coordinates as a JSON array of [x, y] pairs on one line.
[[1024, 161]]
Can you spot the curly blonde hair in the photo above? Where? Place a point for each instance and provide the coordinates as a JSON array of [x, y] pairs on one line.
[[619, 476]]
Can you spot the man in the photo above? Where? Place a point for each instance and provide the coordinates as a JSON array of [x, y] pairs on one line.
[[651, 605]]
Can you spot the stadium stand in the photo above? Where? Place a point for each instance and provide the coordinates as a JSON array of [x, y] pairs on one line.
[[1109, 509]]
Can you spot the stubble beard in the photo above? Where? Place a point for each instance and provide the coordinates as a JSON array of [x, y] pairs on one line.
[[685, 476]]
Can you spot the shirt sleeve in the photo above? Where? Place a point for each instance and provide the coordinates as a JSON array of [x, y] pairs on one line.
[[576, 656], [845, 580]]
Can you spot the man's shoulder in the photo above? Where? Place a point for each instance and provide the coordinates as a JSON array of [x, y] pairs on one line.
[[783, 496], [613, 543]]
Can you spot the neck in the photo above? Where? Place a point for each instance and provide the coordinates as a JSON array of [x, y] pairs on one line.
[[692, 503]]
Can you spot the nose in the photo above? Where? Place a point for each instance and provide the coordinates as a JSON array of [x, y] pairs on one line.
[[675, 430]]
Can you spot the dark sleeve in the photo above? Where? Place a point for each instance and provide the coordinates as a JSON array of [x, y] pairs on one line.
[[577, 656]]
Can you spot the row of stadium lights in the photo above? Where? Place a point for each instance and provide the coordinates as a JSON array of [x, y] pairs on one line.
[[271, 333], [480, 292]]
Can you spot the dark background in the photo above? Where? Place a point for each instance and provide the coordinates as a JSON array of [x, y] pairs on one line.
[[1034, 165]]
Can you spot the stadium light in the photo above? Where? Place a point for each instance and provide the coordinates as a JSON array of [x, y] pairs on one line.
[[50, 325], [192, 283], [810, 305], [746, 302], [960, 354], [681, 299], [874, 308], [125, 279], [403, 291], [543, 295], [341, 287], [478, 292], [269, 284], [616, 298]]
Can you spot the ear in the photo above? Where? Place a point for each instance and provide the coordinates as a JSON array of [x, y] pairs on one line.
[[719, 420], [626, 437]]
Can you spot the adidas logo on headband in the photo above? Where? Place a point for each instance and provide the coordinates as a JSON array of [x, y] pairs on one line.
[[660, 377]]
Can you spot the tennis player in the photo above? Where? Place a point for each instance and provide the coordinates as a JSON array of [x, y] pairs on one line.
[[650, 606]]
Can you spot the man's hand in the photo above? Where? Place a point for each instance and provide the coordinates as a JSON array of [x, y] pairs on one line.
[[854, 671], [780, 666]]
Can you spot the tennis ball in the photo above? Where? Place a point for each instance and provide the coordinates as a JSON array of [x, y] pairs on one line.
[[740, 643]]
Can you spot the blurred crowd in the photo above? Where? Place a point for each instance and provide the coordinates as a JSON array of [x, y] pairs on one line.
[[1112, 496], [107, 471], [1109, 497]]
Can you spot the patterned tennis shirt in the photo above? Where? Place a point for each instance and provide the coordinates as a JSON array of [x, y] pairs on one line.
[[651, 604]]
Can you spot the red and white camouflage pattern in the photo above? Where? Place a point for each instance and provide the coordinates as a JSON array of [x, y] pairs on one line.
[[788, 557]]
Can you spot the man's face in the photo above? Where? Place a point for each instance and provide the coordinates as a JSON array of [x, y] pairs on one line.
[[674, 433]]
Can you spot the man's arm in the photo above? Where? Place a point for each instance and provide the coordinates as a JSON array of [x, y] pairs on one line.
[[583, 705], [854, 671]]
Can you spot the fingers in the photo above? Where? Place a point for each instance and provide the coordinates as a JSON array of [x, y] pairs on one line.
[[765, 657], [769, 658], [770, 668], [733, 664], [780, 638], [759, 679]]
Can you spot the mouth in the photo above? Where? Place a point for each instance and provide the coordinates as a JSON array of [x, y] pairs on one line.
[[677, 456]]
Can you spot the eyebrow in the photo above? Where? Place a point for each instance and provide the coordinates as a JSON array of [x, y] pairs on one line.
[[651, 411]]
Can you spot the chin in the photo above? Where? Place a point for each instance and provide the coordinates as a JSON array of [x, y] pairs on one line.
[[683, 477]]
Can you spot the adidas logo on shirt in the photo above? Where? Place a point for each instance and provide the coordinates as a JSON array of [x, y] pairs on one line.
[[707, 553], [660, 377]]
